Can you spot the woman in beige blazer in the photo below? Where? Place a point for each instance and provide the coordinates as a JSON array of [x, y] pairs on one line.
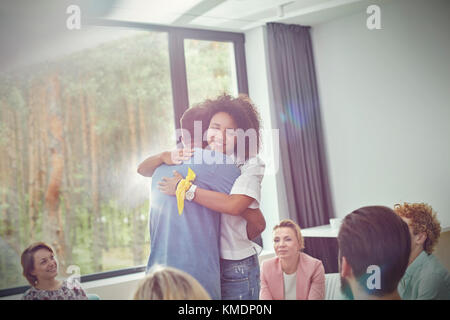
[[292, 274]]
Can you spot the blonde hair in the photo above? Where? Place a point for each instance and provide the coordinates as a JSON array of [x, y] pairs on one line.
[[288, 223], [166, 283]]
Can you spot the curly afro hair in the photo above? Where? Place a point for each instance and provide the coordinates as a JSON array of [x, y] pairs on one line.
[[243, 112]]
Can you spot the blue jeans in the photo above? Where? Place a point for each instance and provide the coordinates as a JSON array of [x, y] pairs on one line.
[[239, 279]]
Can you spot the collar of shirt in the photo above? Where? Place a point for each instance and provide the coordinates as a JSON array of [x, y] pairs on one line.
[[237, 161], [417, 263]]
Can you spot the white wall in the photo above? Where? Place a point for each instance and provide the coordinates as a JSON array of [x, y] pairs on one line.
[[385, 103], [273, 197]]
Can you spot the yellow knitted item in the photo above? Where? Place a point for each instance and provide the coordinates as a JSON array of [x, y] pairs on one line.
[[182, 187]]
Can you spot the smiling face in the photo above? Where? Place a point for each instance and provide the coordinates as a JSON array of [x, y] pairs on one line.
[[45, 265], [221, 133], [285, 242]]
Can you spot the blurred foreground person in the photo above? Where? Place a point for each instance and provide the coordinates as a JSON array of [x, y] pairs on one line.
[[166, 283], [374, 246]]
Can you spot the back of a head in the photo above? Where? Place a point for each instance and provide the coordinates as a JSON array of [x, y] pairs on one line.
[[197, 115], [166, 283], [375, 236]]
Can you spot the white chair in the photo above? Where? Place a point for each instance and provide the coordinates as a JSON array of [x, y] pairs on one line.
[[333, 287]]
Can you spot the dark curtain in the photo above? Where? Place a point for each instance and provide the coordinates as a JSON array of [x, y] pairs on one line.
[[302, 147]]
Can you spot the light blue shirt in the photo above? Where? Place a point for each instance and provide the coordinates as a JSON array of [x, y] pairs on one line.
[[191, 241], [425, 279]]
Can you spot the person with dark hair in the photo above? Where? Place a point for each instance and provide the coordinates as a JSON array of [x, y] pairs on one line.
[[374, 246], [196, 116], [292, 274], [425, 278], [234, 130], [191, 119], [190, 241], [40, 268]]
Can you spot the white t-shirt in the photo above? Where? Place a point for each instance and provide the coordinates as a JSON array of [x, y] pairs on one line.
[[290, 286], [234, 244]]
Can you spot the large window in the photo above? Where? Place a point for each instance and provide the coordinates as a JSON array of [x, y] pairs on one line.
[[73, 129], [72, 134], [210, 69]]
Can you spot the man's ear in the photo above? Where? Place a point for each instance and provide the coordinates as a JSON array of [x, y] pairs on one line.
[[346, 270], [420, 238]]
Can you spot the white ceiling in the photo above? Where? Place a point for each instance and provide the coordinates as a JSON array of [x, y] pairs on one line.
[[233, 15], [33, 31]]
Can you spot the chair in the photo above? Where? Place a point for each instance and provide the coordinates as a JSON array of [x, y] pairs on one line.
[[333, 287], [93, 296]]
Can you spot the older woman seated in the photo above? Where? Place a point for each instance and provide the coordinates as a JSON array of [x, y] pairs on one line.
[[40, 267], [292, 274]]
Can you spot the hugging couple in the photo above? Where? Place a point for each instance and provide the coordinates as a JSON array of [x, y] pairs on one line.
[[204, 214]]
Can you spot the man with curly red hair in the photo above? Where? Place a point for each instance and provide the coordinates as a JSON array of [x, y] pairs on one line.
[[425, 278]]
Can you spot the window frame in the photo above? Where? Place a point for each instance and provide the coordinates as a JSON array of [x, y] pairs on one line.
[[180, 98], [177, 61]]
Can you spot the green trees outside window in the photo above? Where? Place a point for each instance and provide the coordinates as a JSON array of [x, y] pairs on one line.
[[72, 131]]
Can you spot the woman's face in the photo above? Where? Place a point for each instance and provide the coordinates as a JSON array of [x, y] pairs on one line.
[[45, 265], [416, 244], [285, 242], [221, 134]]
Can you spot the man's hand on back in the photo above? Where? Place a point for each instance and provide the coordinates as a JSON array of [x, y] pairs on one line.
[[168, 185]]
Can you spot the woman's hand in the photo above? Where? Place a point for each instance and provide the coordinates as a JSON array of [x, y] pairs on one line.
[[149, 165], [169, 185], [176, 156]]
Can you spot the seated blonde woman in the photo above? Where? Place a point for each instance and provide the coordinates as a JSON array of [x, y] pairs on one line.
[[292, 274], [166, 283], [40, 268]]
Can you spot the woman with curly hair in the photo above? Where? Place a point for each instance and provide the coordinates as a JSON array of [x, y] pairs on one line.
[[425, 278]]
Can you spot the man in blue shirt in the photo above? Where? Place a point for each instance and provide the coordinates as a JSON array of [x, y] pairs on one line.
[[190, 241]]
